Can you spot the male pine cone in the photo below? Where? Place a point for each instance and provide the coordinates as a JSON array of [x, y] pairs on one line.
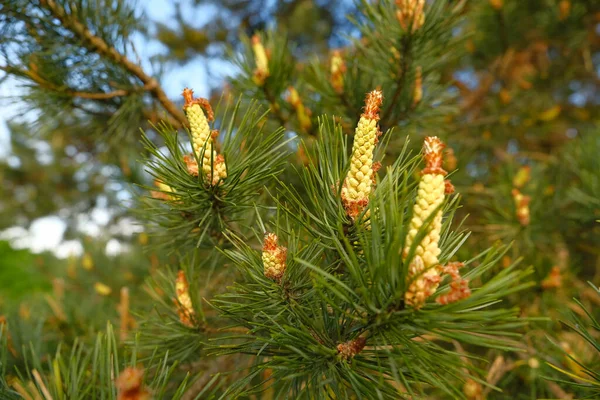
[[423, 274], [213, 164], [359, 181]]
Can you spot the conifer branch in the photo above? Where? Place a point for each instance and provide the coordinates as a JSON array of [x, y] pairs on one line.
[[103, 48]]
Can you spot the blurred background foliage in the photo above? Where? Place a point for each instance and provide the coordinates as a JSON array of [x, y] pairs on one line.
[[513, 91]]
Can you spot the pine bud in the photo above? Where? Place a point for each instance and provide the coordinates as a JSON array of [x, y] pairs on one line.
[[163, 191], [359, 181], [261, 60], [130, 385], [337, 68], [418, 91], [497, 4], [302, 112], [522, 207], [423, 277], [410, 14], [564, 8], [472, 389], [274, 257], [102, 289], [351, 348], [213, 164], [553, 280], [522, 176], [184, 301]]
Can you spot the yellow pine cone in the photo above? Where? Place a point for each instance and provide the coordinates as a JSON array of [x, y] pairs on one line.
[[410, 13], [337, 69], [213, 164], [423, 277], [359, 181], [302, 112], [274, 257], [184, 301], [261, 60]]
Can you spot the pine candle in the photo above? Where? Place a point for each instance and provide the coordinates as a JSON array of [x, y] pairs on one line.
[[359, 181], [423, 275], [213, 164]]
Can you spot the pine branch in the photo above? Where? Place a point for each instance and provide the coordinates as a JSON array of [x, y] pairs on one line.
[[99, 45]]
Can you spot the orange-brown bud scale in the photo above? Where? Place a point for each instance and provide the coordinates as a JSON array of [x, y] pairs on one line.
[[188, 98]]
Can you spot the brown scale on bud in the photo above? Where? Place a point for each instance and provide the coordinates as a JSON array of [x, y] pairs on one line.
[[448, 187], [459, 287], [373, 103], [553, 280], [433, 154], [188, 98], [274, 257], [191, 164], [130, 385], [351, 348]]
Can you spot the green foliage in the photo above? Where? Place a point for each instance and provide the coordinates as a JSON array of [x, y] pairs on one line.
[[588, 376], [198, 212], [339, 287]]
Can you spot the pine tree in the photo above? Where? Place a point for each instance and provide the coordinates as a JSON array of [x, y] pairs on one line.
[[303, 226]]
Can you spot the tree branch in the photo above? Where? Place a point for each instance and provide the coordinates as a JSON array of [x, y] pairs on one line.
[[111, 53]]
